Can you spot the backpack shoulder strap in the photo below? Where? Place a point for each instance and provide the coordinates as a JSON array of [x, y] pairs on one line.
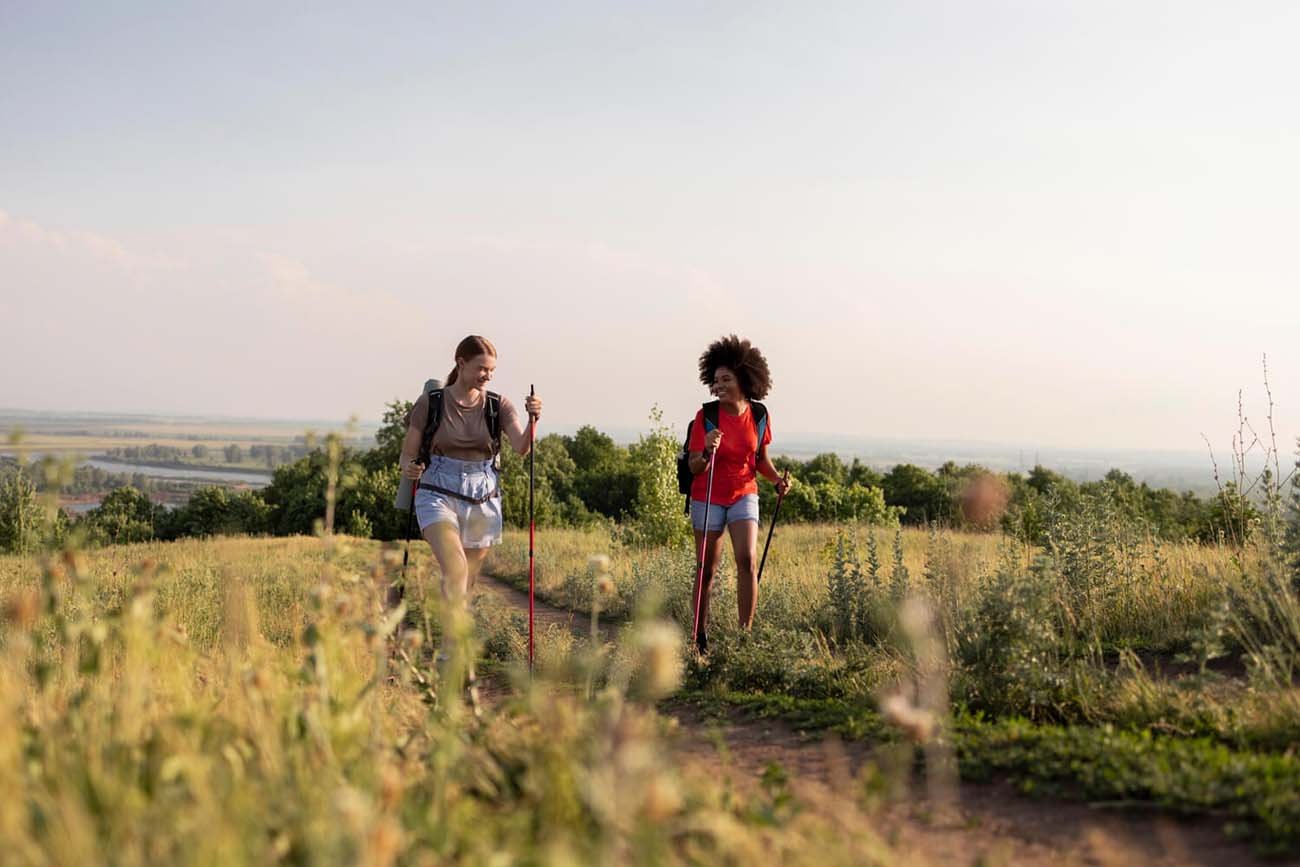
[[711, 410], [760, 427], [431, 422], [492, 408], [760, 419]]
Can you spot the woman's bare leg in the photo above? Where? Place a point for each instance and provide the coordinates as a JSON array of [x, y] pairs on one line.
[[474, 559], [711, 552], [744, 545], [444, 538]]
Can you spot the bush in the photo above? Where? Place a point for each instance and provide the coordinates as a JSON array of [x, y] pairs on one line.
[[26, 524], [660, 516], [214, 511], [124, 515], [1008, 649]]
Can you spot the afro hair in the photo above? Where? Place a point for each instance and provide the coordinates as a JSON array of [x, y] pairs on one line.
[[744, 360]]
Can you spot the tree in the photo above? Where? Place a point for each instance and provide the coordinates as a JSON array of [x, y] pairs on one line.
[[861, 474], [555, 500], [826, 468], [124, 515], [923, 496], [603, 479], [200, 452], [296, 495], [1232, 515], [1044, 481], [388, 439], [659, 517], [215, 511], [21, 518], [366, 503]]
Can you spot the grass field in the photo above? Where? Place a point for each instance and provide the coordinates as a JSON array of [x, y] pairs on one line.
[[1109, 664], [238, 693], [235, 702], [1156, 599]]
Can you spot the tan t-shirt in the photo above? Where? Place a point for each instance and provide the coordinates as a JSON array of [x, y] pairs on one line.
[[463, 431]]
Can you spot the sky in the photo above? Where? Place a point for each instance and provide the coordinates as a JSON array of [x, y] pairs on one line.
[[1043, 223]]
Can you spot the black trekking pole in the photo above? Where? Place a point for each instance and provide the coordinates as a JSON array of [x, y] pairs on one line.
[[395, 599], [776, 511], [532, 527]]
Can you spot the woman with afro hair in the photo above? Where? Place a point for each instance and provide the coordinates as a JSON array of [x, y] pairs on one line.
[[736, 373]]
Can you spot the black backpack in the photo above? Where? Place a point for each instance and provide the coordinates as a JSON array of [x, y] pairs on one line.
[[493, 410], [711, 410]]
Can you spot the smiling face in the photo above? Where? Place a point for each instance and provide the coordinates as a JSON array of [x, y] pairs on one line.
[[726, 386], [476, 372]]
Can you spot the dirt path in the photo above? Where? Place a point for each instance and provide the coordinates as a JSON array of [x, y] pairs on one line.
[[989, 825]]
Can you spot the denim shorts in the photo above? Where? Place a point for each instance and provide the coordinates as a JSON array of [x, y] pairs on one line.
[[744, 509], [479, 523]]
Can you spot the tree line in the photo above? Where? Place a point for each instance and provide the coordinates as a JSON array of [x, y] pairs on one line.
[[586, 478], [234, 453]]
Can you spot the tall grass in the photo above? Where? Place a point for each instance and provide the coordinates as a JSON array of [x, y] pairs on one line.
[[1143, 594], [237, 702]]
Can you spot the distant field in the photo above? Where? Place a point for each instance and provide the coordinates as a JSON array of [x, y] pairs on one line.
[[75, 444], [108, 431], [99, 442]]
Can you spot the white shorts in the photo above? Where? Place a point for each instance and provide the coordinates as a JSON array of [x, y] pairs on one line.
[[479, 523]]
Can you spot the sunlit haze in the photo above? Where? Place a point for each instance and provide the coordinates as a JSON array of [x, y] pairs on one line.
[[1040, 223]]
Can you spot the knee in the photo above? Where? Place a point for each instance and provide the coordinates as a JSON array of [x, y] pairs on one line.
[[455, 586]]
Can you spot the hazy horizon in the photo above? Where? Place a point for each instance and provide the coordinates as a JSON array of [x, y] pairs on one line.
[[1006, 223], [804, 443]]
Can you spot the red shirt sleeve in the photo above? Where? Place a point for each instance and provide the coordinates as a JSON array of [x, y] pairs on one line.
[[767, 433], [696, 443]]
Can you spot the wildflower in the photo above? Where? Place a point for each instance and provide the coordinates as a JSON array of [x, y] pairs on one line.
[[23, 608], [662, 799], [384, 843], [390, 787], [662, 665]]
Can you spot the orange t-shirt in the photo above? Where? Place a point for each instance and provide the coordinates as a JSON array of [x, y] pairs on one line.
[[734, 473]]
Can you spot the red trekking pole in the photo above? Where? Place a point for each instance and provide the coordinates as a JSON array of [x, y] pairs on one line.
[[704, 542], [532, 527]]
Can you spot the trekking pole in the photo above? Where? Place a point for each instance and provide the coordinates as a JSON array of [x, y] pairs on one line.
[[406, 556], [704, 542], [532, 527], [775, 511]]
